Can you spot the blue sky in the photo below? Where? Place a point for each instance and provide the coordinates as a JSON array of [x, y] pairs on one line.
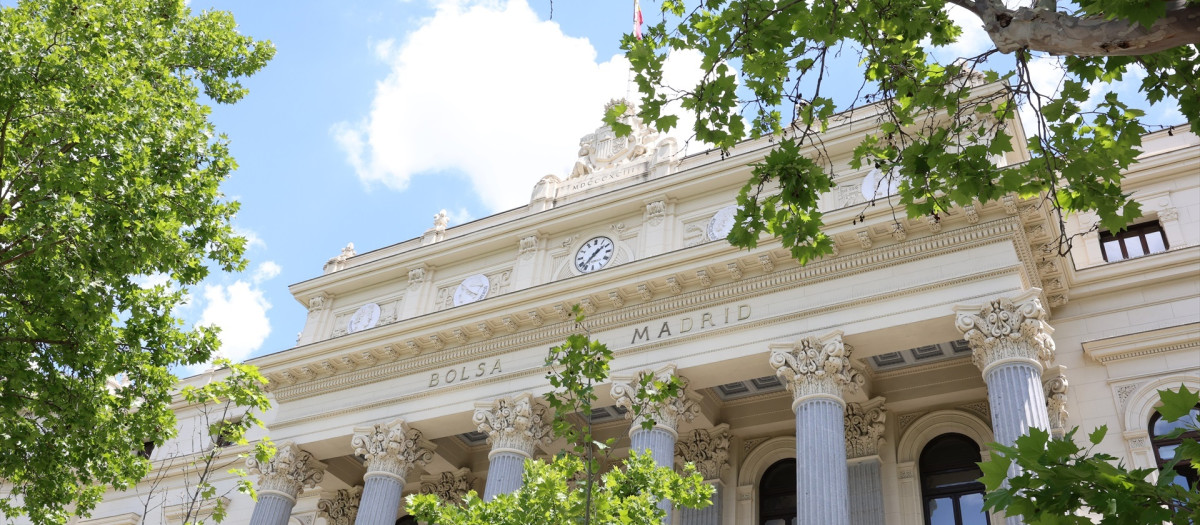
[[375, 115]]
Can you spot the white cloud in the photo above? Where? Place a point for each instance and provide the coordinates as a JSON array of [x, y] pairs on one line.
[[266, 271], [240, 310], [252, 238], [152, 280], [973, 40], [488, 89], [459, 216]]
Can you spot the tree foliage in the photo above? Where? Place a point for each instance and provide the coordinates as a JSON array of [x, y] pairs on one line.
[[1062, 483], [109, 173], [767, 66], [570, 488]]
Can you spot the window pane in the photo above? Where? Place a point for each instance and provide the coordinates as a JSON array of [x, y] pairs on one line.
[[941, 511], [971, 506], [1155, 240], [1133, 246], [1112, 251], [1162, 426]]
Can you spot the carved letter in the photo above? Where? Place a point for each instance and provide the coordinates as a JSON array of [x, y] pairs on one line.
[[482, 369], [706, 318], [463, 376], [451, 375], [666, 329], [640, 334], [433, 380], [685, 325], [743, 312], [495, 368]]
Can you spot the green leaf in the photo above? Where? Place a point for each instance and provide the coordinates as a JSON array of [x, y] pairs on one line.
[[1177, 404], [1097, 435]]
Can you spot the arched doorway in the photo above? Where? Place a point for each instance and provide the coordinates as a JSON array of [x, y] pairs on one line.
[[949, 489], [777, 494]]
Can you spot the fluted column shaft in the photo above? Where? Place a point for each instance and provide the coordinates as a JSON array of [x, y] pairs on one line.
[[515, 426], [1010, 343], [380, 502], [822, 496], [710, 515], [866, 491], [272, 509], [505, 473], [391, 450], [280, 480], [659, 440]]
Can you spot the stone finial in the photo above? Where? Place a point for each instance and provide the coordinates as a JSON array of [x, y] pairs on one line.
[[517, 424], [666, 415], [450, 487], [1007, 330], [392, 448], [440, 221], [342, 507], [864, 428], [338, 261], [707, 449], [288, 472], [816, 367], [1056, 402]]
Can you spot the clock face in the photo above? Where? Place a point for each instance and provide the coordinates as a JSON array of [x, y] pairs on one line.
[[721, 223], [365, 317], [594, 254], [472, 289]]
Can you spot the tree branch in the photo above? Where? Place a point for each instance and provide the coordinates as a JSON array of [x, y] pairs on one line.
[[1063, 34]]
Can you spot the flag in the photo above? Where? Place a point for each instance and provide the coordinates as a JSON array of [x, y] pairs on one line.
[[637, 19]]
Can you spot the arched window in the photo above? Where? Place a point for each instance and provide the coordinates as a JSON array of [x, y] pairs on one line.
[[1164, 449], [949, 489], [777, 494]]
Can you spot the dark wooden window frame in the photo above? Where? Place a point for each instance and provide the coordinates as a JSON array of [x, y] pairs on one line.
[[1137, 231], [1182, 468]]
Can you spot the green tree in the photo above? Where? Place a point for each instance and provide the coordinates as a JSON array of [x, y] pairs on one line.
[[767, 65], [109, 172], [570, 489], [223, 410], [1061, 482]]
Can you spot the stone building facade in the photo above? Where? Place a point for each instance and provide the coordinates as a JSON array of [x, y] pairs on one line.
[[844, 387]]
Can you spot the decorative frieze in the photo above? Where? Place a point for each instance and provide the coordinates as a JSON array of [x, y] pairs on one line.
[[392, 448], [665, 415], [674, 286], [705, 279], [645, 292], [416, 276], [864, 239], [735, 270], [655, 212], [616, 299], [864, 428], [528, 247], [1056, 402], [708, 450], [450, 487], [816, 367], [514, 424], [536, 318], [767, 264], [1007, 329], [972, 214], [341, 507], [289, 471]]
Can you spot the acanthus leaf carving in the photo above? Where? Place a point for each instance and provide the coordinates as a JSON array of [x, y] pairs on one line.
[[515, 424], [816, 366], [864, 429], [625, 391], [1007, 329], [342, 507], [393, 448], [708, 450], [450, 487], [289, 471]]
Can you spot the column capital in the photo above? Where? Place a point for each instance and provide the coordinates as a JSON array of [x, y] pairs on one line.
[[666, 415], [816, 367], [450, 487], [289, 471], [341, 507], [1056, 400], [514, 424], [1007, 329], [391, 449], [707, 449], [864, 427]]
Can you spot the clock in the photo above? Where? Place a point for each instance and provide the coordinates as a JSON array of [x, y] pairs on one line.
[[721, 223], [472, 289], [595, 254], [365, 317]]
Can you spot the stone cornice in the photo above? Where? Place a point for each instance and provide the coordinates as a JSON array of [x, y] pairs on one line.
[[389, 362], [1141, 344]]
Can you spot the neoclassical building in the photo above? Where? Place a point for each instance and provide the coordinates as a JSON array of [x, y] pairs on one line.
[[857, 389]]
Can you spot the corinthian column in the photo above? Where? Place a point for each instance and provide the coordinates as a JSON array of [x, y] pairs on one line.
[[390, 450], [864, 431], [658, 440], [515, 426], [1010, 341], [281, 480], [816, 371], [708, 450], [342, 507]]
